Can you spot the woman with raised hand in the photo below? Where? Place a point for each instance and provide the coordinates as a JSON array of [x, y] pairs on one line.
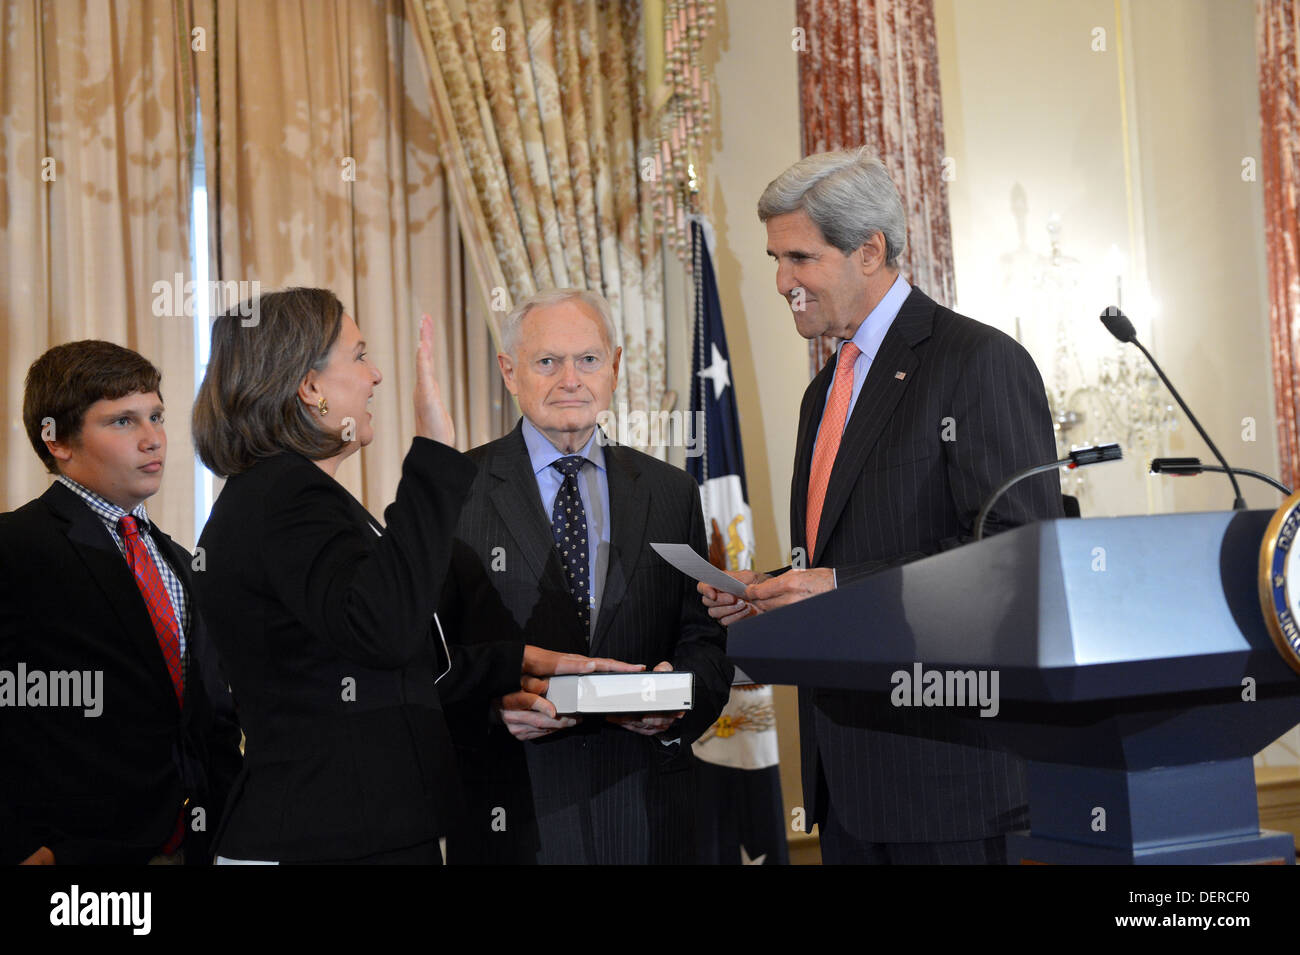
[[323, 618]]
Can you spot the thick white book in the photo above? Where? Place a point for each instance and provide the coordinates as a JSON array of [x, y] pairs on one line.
[[625, 693]]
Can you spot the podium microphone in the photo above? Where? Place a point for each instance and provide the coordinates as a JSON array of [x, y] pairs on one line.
[[1076, 459], [1117, 324], [1192, 466]]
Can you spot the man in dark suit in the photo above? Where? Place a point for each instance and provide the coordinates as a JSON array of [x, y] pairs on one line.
[[118, 740], [558, 523], [919, 416]]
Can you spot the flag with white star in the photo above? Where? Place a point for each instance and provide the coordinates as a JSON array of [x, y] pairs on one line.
[[719, 465], [741, 816]]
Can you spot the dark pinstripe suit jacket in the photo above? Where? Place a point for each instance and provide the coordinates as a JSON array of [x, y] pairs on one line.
[[595, 793], [919, 455]]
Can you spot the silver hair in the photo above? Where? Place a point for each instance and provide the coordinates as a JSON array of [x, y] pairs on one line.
[[557, 296], [849, 195]]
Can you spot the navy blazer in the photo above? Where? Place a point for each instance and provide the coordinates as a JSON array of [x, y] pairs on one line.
[[950, 408], [105, 789]]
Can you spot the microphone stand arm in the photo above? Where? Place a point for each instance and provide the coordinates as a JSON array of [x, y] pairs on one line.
[[1239, 504]]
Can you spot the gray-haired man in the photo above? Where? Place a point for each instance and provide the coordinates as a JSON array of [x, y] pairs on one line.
[[904, 433], [554, 540]]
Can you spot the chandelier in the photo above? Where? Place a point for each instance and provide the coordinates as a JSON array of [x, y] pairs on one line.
[[1124, 399]]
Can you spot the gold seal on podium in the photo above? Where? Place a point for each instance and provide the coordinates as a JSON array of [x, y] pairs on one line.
[[1279, 564]]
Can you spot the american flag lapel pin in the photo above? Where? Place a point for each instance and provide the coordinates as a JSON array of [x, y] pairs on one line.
[[900, 375]]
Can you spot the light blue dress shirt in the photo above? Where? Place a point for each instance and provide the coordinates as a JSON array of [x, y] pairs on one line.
[[593, 488], [868, 338]]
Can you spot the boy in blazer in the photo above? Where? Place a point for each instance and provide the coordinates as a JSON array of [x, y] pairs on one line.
[[118, 739]]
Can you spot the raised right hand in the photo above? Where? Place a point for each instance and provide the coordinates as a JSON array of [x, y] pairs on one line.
[[431, 417], [727, 608]]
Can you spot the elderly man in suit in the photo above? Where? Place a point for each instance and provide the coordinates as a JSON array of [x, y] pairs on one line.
[[95, 598], [557, 529], [921, 414]]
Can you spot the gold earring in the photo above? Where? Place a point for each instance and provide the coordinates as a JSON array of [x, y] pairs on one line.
[[322, 406]]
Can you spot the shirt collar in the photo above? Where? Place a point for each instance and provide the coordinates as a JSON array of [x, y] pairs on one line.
[[543, 454], [108, 512], [872, 331]]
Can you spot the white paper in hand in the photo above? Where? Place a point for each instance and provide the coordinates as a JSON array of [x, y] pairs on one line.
[[684, 558]]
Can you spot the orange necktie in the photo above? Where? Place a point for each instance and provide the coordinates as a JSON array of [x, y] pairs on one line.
[[828, 440]]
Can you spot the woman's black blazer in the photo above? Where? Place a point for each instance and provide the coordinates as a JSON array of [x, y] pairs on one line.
[[324, 624]]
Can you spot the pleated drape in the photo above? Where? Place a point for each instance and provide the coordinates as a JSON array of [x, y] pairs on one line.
[[870, 77], [1278, 28], [323, 170], [96, 129], [542, 120]]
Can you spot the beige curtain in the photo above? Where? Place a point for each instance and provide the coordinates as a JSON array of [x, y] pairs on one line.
[[870, 77], [541, 115], [95, 151], [323, 170], [1278, 42]]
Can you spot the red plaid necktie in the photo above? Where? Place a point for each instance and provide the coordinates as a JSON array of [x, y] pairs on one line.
[[828, 441], [155, 596], [163, 616]]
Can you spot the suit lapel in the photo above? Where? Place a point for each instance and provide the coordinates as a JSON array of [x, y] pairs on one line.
[[518, 503], [629, 505], [94, 545], [175, 557], [880, 395]]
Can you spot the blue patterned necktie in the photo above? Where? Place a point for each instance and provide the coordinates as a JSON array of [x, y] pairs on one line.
[[569, 525]]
